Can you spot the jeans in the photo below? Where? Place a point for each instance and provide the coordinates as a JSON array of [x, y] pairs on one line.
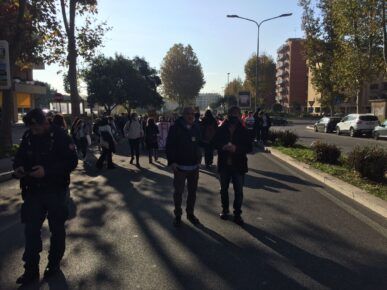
[[106, 154], [135, 148], [36, 206], [208, 154], [238, 179], [180, 177]]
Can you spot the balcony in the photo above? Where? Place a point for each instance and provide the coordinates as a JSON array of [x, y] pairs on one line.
[[284, 48]]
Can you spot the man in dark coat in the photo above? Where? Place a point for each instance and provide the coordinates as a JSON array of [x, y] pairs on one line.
[[43, 163], [233, 143], [184, 155]]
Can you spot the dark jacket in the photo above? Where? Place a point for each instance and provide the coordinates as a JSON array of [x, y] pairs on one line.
[[151, 135], [183, 144], [54, 151], [236, 161], [208, 127]]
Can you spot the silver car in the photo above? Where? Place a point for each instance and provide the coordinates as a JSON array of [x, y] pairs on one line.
[[380, 131]]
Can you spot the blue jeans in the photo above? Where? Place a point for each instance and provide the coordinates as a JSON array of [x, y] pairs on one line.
[[238, 179]]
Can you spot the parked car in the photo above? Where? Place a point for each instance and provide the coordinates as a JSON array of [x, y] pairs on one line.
[[326, 124], [380, 131], [357, 124], [278, 121]]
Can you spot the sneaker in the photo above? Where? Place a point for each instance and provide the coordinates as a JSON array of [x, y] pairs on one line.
[[51, 271], [193, 219], [28, 277], [224, 215], [238, 220], [177, 222]]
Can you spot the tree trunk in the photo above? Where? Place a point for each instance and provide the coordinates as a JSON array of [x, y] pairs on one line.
[[358, 101], [7, 103], [72, 59], [6, 120]]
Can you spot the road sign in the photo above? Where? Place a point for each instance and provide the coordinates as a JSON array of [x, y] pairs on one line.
[[244, 100], [5, 72]]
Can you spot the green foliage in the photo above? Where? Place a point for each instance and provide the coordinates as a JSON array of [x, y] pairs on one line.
[[369, 161], [122, 81], [277, 108], [266, 76], [285, 138], [341, 170], [4, 153], [233, 88], [326, 153], [182, 75], [343, 46]]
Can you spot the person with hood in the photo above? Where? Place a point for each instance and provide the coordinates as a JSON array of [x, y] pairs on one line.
[[184, 155], [233, 142], [134, 132], [208, 128], [151, 139]]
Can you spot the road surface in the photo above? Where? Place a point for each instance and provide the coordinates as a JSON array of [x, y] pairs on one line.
[[345, 142], [298, 234]]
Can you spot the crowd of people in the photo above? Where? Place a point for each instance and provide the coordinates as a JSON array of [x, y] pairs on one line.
[[50, 151]]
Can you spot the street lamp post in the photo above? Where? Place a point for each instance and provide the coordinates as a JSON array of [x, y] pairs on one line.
[[259, 28]]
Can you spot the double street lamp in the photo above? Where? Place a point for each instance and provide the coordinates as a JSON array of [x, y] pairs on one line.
[[259, 27]]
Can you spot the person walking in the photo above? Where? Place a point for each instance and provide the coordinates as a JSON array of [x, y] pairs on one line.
[[208, 128], [79, 132], [258, 125], [151, 139], [43, 163], [266, 124], [233, 143], [184, 155], [107, 143], [134, 132], [250, 125]]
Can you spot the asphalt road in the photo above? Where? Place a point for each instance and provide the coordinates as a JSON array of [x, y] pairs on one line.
[[298, 234], [345, 142]]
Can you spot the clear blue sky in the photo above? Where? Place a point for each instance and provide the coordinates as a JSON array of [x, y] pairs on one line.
[[149, 28]]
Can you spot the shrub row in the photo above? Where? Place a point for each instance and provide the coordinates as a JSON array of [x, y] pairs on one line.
[[326, 153], [285, 138], [369, 161]]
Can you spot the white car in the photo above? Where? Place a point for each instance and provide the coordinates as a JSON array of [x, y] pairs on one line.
[[357, 124]]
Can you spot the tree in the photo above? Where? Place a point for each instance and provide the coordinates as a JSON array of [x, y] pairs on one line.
[[122, 81], [266, 78], [320, 46], [234, 87], [31, 28], [359, 53], [80, 41], [182, 75]]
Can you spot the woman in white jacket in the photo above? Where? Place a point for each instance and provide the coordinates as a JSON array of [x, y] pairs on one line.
[[134, 132]]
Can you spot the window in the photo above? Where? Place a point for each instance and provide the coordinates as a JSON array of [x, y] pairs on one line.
[[385, 86], [317, 110], [368, 118], [374, 87]]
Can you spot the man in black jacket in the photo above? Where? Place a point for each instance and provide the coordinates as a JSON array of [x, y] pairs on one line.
[[233, 142], [184, 155], [43, 163]]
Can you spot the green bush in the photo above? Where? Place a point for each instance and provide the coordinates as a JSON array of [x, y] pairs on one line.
[[326, 153], [285, 138], [4, 153], [369, 161]]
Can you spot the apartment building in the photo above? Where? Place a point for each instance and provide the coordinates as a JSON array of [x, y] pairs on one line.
[[292, 75], [373, 91]]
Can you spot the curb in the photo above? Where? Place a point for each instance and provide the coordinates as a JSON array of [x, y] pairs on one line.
[[360, 196], [310, 127], [5, 176]]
